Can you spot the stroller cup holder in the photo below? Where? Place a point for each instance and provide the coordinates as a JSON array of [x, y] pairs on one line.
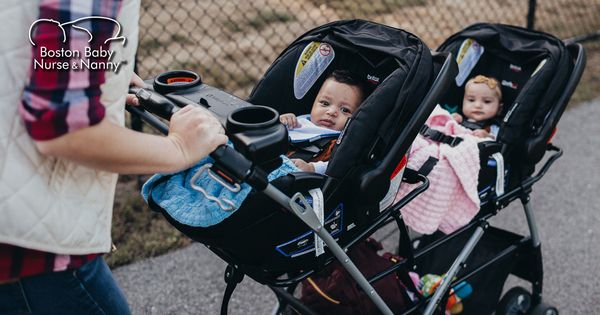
[[257, 133], [177, 80]]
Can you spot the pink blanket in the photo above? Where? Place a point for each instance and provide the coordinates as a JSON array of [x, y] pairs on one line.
[[452, 199]]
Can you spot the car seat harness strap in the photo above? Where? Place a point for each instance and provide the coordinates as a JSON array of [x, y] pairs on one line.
[[438, 136], [428, 166]]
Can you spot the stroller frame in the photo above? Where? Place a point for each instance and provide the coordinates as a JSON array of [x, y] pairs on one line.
[[528, 246], [529, 266], [298, 205]]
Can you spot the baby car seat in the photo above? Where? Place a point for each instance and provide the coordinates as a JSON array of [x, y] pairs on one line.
[[537, 73]]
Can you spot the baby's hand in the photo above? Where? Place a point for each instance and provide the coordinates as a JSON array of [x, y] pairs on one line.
[[457, 117], [289, 120], [303, 166], [481, 133]]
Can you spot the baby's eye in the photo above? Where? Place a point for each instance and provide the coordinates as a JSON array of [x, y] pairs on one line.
[[470, 99], [346, 110], [324, 103]]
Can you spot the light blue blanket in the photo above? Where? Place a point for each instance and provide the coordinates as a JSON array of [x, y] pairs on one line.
[[188, 206]]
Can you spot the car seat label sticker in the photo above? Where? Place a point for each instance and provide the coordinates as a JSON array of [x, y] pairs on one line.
[[315, 58], [468, 55], [395, 181], [318, 204], [542, 63], [499, 173]]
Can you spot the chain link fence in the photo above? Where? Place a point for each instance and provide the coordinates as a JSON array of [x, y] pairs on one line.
[[231, 43]]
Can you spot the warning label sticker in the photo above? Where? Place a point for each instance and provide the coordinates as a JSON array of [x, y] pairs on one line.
[[468, 55], [312, 63]]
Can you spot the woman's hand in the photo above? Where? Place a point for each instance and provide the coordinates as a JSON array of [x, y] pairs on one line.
[[289, 120], [195, 132], [131, 99]]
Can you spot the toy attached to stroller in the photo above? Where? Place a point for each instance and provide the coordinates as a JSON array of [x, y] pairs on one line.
[[270, 236]]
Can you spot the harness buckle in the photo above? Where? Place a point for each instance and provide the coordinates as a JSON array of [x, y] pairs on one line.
[[455, 141]]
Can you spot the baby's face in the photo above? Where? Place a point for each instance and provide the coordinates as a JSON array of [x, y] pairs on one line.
[[480, 102], [335, 103]]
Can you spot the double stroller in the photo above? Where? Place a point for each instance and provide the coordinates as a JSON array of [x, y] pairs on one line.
[[270, 237]]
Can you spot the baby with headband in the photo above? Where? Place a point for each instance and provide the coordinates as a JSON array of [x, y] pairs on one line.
[[481, 104]]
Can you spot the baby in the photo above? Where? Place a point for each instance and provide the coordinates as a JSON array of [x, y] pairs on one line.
[[339, 97], [481, 103]]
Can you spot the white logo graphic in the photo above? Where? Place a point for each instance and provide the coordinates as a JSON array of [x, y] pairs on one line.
[[60, 25], [372, 78], [74, 59]]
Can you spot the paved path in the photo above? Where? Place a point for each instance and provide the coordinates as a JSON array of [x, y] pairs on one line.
[[566, 204]]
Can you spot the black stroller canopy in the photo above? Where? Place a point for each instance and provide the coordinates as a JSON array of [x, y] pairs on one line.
[[394, 63]]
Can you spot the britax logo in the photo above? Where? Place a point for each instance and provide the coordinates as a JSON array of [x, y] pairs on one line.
[[372, 79]]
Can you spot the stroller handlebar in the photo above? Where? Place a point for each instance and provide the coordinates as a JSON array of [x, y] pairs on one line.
[[154, 102], [230, 164]]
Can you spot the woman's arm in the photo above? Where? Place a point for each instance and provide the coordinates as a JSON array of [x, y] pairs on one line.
[[193, 134]]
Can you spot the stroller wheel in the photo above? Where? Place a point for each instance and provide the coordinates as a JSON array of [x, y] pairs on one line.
[[516, 301], [544, 309]]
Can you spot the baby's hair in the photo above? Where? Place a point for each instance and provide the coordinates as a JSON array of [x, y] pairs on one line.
[[492, 83], [347, 77]]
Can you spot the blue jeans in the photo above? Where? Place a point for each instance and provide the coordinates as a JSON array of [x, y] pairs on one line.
[[90, 289]]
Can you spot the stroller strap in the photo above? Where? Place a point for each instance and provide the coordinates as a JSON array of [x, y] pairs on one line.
[[438, 136], [309, 150]]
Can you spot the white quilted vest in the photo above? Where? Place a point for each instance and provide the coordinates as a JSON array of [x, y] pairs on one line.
[[46, 203]]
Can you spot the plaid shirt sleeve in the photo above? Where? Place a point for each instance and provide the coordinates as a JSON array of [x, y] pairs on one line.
[[57, 101]]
